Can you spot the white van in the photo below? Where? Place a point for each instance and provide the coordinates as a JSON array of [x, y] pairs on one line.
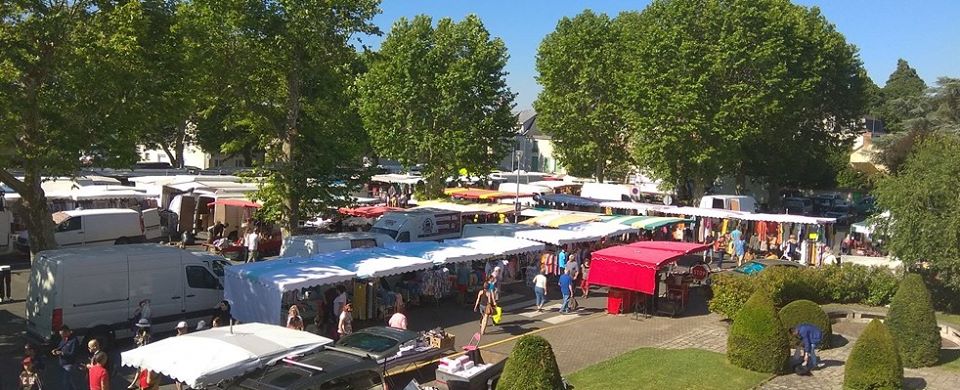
[[97, 290], [312, 244], [421, 224], [94, 227], [729, 202]]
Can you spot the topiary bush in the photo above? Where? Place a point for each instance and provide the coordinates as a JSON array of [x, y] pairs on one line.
[[787, 284], [531, 365], [804, 311], [730, 291], [758, 341], [874, 363], [914, 324]]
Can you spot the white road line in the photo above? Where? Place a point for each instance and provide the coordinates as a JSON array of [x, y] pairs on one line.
[[518, 305], [546, 310], [562, 318]]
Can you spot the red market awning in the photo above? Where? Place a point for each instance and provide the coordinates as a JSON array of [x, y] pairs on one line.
[[234, 203], [634, 267], [368, 211]]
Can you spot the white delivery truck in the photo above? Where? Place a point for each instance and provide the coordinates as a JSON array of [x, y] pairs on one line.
[[729, 202], [99, 227], [312, 244], [421, 224], [97, 290]]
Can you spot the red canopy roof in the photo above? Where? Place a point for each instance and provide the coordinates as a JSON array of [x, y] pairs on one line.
[[367, 211], [634, 266], [234, 203]]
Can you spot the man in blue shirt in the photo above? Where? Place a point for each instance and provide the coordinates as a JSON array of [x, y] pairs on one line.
[[562, 258], [67, 351], [810, 336], [566, 289]]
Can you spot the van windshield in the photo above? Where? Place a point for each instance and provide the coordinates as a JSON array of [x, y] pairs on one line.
[[389, 232]]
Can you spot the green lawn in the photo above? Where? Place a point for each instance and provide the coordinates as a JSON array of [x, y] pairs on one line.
[[650, 368], [953, 319]]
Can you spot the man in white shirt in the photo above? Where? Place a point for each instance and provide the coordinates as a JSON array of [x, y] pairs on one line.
[[253, 241]]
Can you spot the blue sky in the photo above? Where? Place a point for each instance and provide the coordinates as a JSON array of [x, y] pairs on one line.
[[926, 33]]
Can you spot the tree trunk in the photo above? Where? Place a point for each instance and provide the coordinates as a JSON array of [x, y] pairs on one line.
[[773, 196], [598, 171], [33, 210], [291, 201], [741, 183], [180, 144], [699, 188], [170, 155]]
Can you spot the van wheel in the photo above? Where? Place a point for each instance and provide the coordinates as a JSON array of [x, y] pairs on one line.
[[105, 336], [121, 241]]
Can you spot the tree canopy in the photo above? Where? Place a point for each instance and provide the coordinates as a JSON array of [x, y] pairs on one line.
[[900, 95], [69, 88], [579, 106], [735, 87], [924, 223], [282, 71], [438, 96]]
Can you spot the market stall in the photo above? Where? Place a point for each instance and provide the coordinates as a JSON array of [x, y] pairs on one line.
[[555, 220], [605, 229], [208, 357], [256, 289], [644, 222], [638, 267]]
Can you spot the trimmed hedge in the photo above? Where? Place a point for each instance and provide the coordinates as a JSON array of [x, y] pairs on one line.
[[758, 341], [914, 324], [850, 283], [804, 311], [532, 365], [874, 363]]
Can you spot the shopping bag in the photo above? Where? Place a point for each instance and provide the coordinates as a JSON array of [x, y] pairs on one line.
[[497, 315]]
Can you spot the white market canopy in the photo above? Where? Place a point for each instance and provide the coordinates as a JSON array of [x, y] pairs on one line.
[[636, 206], [558, 236], [441, 252], [604, 228], [208, 357], [745, 216], [502, 246]]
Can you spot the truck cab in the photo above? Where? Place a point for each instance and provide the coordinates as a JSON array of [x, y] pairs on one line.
[[425, 224]]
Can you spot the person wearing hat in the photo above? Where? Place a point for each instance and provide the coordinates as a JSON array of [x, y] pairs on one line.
[[201, 325], [143, 332], [29, 378], [182, 328]]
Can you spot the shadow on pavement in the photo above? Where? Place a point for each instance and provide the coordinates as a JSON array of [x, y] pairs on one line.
[[949, 356], [914, 383]]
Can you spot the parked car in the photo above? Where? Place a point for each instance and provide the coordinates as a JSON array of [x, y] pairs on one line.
[[377, 342], [97, 290], [326, 369], [755, 266], [843, 218], [802, 206]]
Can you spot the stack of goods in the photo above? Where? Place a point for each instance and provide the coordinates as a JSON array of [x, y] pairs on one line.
[[461, 366], [440, 339]]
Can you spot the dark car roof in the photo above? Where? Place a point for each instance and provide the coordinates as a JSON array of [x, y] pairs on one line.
[[399, 336], [283, 375]]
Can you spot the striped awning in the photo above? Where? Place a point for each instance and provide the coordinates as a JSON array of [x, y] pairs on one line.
[[645, 222], [558, 220]]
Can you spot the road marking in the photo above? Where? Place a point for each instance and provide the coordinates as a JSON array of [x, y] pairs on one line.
[[518, 305], [560, 318], [546, 309]]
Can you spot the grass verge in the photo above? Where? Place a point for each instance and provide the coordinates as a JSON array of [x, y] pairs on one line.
[[651, 368]]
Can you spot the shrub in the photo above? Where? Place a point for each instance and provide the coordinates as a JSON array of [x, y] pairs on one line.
[[914, 324], [804, 311], [758, 340], [790, 284], [881, 286], [874, 362], [531, 365], [730, 292]]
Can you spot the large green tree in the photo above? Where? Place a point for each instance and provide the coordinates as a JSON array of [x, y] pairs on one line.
[[937, 110], [438, 96], [282, 71], [738, 87], [900, 95], [923, 228], [579, 106], [69, 88]]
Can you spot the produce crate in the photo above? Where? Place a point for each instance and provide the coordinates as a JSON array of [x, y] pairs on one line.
[[443, 343]]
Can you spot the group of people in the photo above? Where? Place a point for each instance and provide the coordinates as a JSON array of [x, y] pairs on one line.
[[741, 249]]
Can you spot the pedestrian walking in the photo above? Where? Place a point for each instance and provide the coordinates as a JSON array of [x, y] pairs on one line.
[[93, 346], [68, 354], [485, 303], [810, 336], [29, 376], [222, 314], [345, 325], [540, 289], [143, 333], [294, 321], [37, 361], [562, 258], [739, 249], [252, 241], [573, 269], [97, 376], [566, 290], [720, 249], [5, 283]]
